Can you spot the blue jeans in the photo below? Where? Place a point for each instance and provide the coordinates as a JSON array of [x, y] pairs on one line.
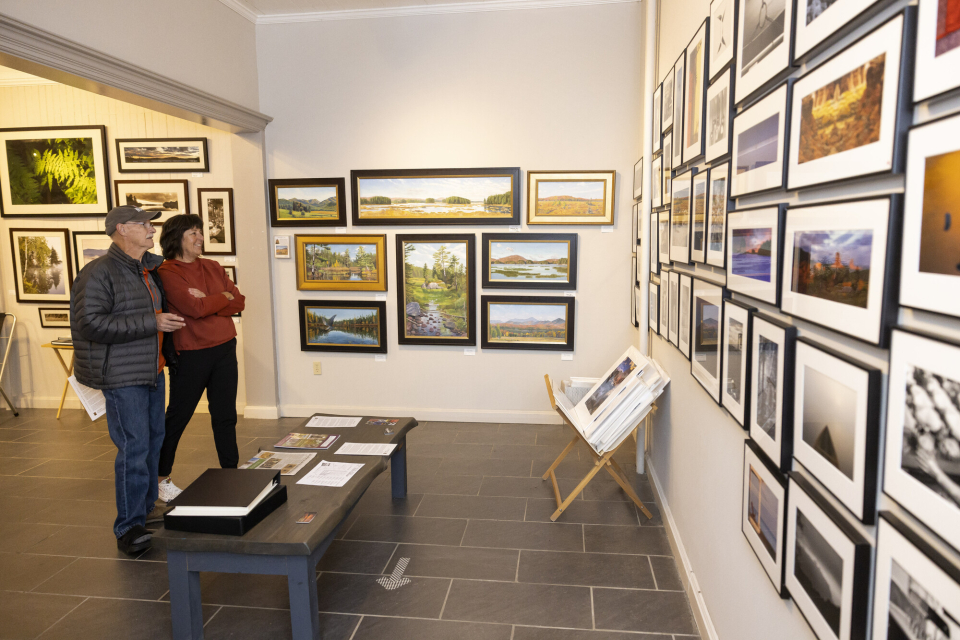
[[135, 422]]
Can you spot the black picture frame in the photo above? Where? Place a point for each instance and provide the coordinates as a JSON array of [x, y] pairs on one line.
[[717, 66], [738, 410], [679, 101], [486, 342], [487, 282], [685, 316], [680, 184], [166, 213], [743, 285], [356, 175], [653, 312], [778, 450], [762, 84], [162, 166], [717, 172], [725, 80], [699, 337], [752, 532], [339, 184], [65, 258], [380, 306], [638, 184], [695, 152], [229, 218], [78, 262], [44, 320], [735, 144]]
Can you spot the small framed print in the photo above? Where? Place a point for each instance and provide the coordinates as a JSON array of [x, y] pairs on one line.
[[705, 338], [656, 182], [352, 326], [683, 308], [570, 197], [698, 206], [828, 565], [667, 168], [929, 278], [764, 511], [718, 193], [88, 246], [216, 211], [169, 197], [341, 262], [760, 142], [847, 115], [55, 318], [674, 333], [917, 588], [764, 28], [655, 243], [773, 347], [735, 367], [41, 264], [665, 304], [657, 104], [638, 179], [938, 49], [723, 18], [308, 202], [668, 94], [819, 20], [281, 247], [663, 242], [231, 272], [753, 252], [680, 218], [836, 418], [719, 117], [544, 323], [695, 79], [653, 298], [162, 155], [529, 260], [920, 470]]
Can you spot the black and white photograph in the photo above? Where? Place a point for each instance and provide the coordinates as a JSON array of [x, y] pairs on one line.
[[764, 507], [773, 345], [683, 337], [216, 211], [753, 252], [663, 240], [937, 49], [657, 104], [655, 243], [917, 592], [759, 144], [844, 114], [55, 317], [763, 51], [835, 266], [162, 155], [922, 470], [698, 215], [817, 20], [653, 300], [695, 84], [665, 304], [680, 218], [169, 197], [679, 95], [674, 311], [666, 115], [735, 366], [836, 424], [722, 34], [718, 200], [668, 166], [705, 352], [718, 118], [656, 182]]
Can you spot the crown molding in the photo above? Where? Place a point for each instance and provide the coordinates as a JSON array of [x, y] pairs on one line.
[[243, 10]]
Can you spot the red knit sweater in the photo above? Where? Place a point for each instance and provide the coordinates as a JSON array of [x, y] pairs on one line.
[[208, 319]]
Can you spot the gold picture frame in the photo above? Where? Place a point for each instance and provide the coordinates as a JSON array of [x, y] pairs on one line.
[[341, 262], [570, 197]]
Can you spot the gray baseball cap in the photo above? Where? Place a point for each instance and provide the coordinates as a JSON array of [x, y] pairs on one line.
[[126, 213]]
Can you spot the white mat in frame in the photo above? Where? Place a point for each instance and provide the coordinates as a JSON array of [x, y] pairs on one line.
[[753, 251], [937, 58], [735, 367], [760, 143], [718, 194], [772, 353], [763, 513], [705, 351]]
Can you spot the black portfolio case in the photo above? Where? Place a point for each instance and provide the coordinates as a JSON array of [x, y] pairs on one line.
[[228, 525]]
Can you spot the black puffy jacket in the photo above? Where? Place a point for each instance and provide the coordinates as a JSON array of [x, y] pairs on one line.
[[113, 322]]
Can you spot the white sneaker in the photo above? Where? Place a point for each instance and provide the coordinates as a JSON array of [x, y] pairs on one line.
[[168, 490]]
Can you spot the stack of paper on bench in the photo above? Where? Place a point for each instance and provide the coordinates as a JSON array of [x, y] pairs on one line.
[[615, 403], [229, 501]]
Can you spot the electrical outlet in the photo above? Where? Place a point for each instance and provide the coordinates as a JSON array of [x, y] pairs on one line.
[[316, 368]]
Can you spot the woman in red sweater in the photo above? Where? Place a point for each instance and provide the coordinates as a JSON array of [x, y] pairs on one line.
[[198, 290]]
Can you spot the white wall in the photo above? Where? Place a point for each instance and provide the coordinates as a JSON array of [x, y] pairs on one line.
[[538, 89]]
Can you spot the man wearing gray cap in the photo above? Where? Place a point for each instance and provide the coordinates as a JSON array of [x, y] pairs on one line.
[[117, 321]]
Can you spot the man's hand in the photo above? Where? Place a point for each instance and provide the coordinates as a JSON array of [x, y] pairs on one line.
[[196, 293], [228, 294], [169, 322]]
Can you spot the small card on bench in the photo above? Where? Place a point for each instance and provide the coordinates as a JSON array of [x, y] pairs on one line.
[[333, 422], [365, 449], [330, 474]]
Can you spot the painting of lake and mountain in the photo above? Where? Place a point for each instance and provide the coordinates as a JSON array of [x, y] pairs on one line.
[[423, 198], [751, 251], [571, 197], [529, 261], [307, 203], [329, 262], [757, 146], [42, 264], [436, 285], [833, 265], [531, 323], [354, 326]]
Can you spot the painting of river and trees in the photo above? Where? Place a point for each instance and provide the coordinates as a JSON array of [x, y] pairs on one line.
[[527, 322], [341, 325], [41, 264], [341, 263]]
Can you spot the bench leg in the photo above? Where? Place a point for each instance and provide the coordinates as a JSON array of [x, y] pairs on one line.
[[398, 470], [186, 614], [304, 612]]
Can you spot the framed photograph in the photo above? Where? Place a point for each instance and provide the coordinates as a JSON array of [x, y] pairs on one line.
[[544, 323], [835, 266], [55, 317], [656, 182], [41, 264], [54, 171], [828, 565], [353, 326], [759, 143], [921, 470], [436, 196], [719, 200], [695, 81], [680, 218], [679, 76], [308, 202], [663, 242], [667, 112], [719, 116], [753, 252], [818, 20], [773, 346], [634, 280], [341, 262], [436, 289], [705, 338], [686, 293], [735, 365], [698, 205], [162, 155], [281, 246], [847, 115], [635, 226], [929, 278], [655, 243], [570, 197], [231, 272], [763, 50], [674, 333], [657, 104], [638, 309], [763, 515], [638, 179], [216, 211], [639, 270], [938, 49], [917, 589], [667, 168], [633, 306], [169, 197], [529, 260], [653, 299], [665, 304], [723, 18], [88, 246], [836, 418]]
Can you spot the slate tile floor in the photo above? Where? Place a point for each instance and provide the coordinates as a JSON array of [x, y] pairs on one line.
[[485, 562]]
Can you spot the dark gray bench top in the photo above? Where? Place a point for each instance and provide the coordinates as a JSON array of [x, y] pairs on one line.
[[278, 533]]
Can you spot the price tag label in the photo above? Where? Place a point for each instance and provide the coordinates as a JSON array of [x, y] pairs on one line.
[[197, 175], [606, 229], [566, 356], [230, 259], [515, 229], [469, 352], [381, 296], [341, 229], [380, 358], [570, 294]]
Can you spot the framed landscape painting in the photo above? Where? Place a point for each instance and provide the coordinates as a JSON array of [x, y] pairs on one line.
[[680, 218], [162, 155], [937, 49], [341, 262], [763, 51], [88, 246], [735, 366], [759, 144], [529, 260], [695, 83], [169, 197], [543, 323], [436, 196], [55, 318], [753, 252], [773, 347], [763, 513], [718, 194], [723, 21], [41, 264], [54, 171], [216, 211], [308, 202], [570, 197], [705, 339], [817, 20], [698, 210], [436, 292], [719, 117], [353, 326]]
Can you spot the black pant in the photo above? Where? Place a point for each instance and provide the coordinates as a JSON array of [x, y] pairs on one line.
[[215, 370]]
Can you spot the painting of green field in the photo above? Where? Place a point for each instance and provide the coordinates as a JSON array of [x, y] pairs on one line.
[[436, 197], [307, 203], [540, 323], [529, 261], [571, 197], [435, 287]]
